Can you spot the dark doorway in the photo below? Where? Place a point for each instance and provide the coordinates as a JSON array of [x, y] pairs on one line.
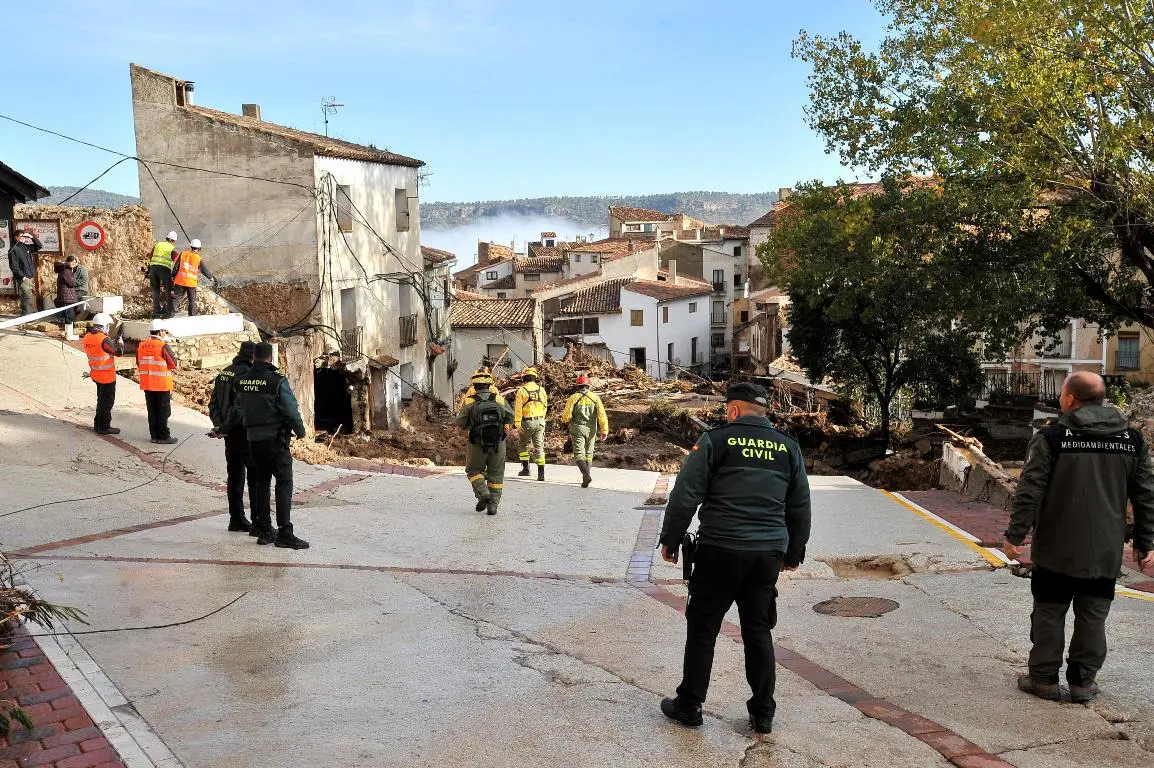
[[333, 406]]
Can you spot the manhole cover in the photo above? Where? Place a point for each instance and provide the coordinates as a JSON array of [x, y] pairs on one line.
[[860, 607]]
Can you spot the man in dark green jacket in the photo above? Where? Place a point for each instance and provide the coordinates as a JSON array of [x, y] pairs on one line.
[[1079, 474], [270, 415], [750, 482], [237, 458]]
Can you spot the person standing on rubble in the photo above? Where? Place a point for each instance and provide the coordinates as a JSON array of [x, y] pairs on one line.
[[486, 416], [270, 414], [530, 405], [160, 276], [155, 364], [186, 271], [237, 457], [1080, 471], [585, 415], [750, 483], [102, 352]]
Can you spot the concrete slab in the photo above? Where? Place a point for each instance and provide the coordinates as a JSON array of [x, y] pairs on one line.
[[184, 327]]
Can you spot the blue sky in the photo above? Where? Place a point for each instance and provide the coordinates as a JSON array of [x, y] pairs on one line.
[[502, 98]]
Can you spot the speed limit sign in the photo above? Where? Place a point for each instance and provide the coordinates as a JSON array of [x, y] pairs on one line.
[[90, 235]]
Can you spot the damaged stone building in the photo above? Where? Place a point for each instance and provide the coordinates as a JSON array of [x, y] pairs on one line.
[[315, 239]]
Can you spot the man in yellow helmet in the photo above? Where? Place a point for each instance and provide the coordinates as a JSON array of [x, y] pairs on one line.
[[486, 415], [530, 404], [585, 415]]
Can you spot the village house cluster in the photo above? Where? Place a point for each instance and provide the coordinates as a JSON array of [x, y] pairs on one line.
[[317, 243]]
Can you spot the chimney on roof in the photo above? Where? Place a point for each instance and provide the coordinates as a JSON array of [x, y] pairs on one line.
[[783, 192], [187, 88], [672, 272], [250, 110]]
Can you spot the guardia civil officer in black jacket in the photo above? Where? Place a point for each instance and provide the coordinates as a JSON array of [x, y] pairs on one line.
[[749, 480], [226, 424], [270, 416]]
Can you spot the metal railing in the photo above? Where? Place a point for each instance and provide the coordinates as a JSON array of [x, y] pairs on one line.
[[1062, 350], [351, 343], [719, 287], [1126, 360], [716, 318], [1033, 384], [408, 330]]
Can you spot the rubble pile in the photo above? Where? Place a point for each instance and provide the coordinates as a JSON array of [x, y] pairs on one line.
[[1140, 411]]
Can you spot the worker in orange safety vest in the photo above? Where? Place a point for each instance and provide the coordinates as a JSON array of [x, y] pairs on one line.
[[155, 364], [102, 351], [186, 271]]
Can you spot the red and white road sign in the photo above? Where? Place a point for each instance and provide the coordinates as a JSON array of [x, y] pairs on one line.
[[90, 235]]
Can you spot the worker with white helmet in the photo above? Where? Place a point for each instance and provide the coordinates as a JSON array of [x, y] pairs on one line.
[[160, 276], [102, 351], [186, 271], [155, 364]]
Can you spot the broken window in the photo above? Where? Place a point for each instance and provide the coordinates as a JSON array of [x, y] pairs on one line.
[[344, 208], [401, 200], [577, 326]]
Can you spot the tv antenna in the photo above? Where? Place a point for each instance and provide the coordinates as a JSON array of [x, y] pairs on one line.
[[329, 106]]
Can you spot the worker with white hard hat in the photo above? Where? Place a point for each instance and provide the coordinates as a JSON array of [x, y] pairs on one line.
[[186, 271], [102, 351], [160, 276], [155, 364]]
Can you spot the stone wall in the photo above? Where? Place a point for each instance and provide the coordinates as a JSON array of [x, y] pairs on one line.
[[115, 267]]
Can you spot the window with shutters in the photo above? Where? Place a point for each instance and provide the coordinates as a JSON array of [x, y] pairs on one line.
[[637, 317]]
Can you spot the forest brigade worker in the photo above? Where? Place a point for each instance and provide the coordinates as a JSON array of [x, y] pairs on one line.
[[585, 415], [530, 404]]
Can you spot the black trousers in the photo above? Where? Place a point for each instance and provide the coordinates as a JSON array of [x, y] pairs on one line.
[[721, 577], [68, 315], [1054, 593], [160, 281], [159, 409], [238, 459], [179, 292], [271, 458], [105, 399]]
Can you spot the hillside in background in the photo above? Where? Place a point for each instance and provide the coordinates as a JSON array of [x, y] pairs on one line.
[[89, 198], [586, 212]]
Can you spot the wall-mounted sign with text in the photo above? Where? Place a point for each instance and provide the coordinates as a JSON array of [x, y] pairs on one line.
[[47, 230]]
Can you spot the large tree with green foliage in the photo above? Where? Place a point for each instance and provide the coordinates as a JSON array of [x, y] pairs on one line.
[[882, 296], [1048, 105]]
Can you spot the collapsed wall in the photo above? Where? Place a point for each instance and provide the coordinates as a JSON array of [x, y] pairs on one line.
[[115, 267]]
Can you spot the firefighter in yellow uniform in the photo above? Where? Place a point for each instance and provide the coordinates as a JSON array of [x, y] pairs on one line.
[[585, 415], [530, 404], [485, 414]]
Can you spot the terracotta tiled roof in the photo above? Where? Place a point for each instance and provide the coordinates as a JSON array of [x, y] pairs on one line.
[[769, 219], [613, 247], [467, 272], [470, 296], [508, 281], [663, 276], [599, 299], [625, 213], [548, 234], [538, 250], [435, 256], [735, 232], [587, 278], [540, 264], [663, 291], [493, 313], [320, 145]]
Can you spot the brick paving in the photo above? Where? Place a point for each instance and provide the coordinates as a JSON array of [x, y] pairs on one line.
[[959, 751], [64, 735]]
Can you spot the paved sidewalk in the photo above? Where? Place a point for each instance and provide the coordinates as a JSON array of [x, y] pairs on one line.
[[417, 632]]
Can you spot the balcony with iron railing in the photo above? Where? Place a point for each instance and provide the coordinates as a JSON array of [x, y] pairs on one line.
[[719, 287], [1126, 360], [1063, 349], [408, 327], [351, 343], [719, 318]]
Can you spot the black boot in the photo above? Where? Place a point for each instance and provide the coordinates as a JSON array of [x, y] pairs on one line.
[[240, 524], [108, 431], [541, 472], [524, 469], [286, 540], [482, 503], [586, 478], [688, 715], [265, 536]]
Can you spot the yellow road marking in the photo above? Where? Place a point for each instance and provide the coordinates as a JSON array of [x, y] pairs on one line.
[[933, 520]]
